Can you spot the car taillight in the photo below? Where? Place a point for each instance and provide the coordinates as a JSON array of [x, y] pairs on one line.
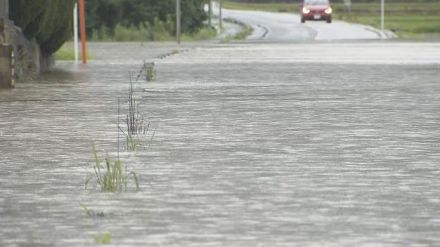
[[306, 10], [328, 10]]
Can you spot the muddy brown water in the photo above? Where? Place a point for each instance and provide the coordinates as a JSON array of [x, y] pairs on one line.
[[255, 145]]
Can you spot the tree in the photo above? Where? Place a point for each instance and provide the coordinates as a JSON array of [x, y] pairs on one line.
[[129, 13], [48, 21]]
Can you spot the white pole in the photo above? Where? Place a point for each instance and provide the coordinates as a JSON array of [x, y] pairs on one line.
[[178, 21], [382, 17], [220, 16], [75, 32]]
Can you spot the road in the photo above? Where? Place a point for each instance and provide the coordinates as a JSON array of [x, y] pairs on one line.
[[257, 144], [284, 27]]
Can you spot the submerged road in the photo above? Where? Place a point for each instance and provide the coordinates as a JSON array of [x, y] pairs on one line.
[[284, 27], [256, 144]]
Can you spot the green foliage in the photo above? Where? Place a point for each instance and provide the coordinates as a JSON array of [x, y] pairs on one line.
[[158, 31], [150, 72], [408, 18], [157, 17], [104, 238], [67, 53], [137, 128], [112, 176], [202, 34], [48, 21]]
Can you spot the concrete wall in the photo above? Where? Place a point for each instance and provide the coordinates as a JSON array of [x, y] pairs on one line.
[[28, 60]]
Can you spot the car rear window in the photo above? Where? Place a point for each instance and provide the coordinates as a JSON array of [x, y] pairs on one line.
[[316, 2]]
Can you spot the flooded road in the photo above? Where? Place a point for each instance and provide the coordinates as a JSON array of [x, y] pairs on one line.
[[256, 145]]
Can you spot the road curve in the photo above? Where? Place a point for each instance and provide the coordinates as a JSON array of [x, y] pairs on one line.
[[284, 27]]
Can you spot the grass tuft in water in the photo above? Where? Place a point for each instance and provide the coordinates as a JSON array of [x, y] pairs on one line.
[[111, 176], [150, 71], [91, 212], [137, 133], [104, 238]]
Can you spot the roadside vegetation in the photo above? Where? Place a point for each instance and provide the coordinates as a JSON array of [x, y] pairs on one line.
[[246, 30], [111, 176], [159, 31], [418, 19], [145, 20], [67, 53]]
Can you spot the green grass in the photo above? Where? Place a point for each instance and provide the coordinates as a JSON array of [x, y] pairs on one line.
[[245, 31], [104, 238], [112, 176], [137, 132], [67, 53], [158, 31], [205, 33], [271, 7], [407, 20]]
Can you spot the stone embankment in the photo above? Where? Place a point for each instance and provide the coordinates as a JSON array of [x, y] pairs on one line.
[[26, 54]]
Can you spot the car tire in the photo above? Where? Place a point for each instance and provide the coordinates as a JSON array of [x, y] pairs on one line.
[[329, 20], [303, 20]]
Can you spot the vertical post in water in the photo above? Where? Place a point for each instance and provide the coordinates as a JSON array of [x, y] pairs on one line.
[[178, 21], [220, 15], [82, 18], [119, 109], [382, 17], [75, 32]]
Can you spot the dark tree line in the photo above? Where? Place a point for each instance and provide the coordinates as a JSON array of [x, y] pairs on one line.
[[128, 13], [50, 21]]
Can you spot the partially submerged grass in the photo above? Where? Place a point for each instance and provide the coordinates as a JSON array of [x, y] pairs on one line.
[[137, 132], [149, 71], [137, 127], [91, 212], [104, 238], [110, 176]]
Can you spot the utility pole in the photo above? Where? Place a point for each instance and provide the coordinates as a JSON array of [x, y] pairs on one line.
[[210, 13], [178, 21], [82, 18], [382, 17], [347, 4], [220, 16]]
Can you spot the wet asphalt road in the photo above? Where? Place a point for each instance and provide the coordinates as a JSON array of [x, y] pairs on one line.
[[307, 144], [286, 27]]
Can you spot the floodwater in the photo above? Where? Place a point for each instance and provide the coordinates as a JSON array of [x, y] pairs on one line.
[[255, 145]]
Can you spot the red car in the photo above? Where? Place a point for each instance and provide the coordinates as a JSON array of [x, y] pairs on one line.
[[316, 10]]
